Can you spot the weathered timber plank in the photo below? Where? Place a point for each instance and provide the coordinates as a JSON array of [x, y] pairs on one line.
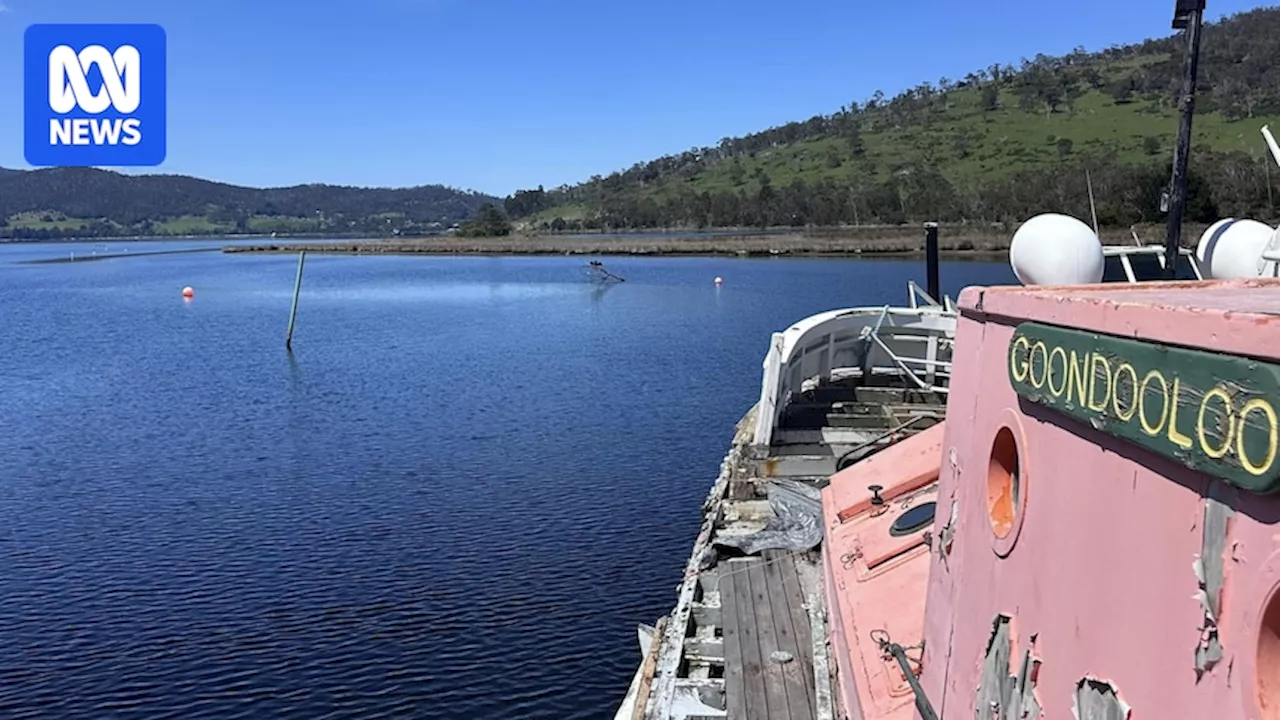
[[735, 689], [671, 649], [709, 650], [646, 671], [748, 634], [821, 659], [771, 673], [792, 621]]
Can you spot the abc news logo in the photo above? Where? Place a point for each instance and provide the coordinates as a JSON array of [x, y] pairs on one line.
[[69, 89], [94, 95]]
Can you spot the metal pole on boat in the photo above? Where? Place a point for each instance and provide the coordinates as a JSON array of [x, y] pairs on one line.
[[1189, 15], [931, 260], [1093, 208], [293, 311]]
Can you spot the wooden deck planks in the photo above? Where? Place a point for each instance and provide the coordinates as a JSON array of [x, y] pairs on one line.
[[792, 621], [734, 672], [764, 612]]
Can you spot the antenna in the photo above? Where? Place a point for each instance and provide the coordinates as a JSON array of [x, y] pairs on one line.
[[1188, 14], [1269, 263], [1271, 143], [1093, 209]]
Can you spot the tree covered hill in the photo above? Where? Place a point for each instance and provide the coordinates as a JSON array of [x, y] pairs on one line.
[[999, 144], [86, 202]]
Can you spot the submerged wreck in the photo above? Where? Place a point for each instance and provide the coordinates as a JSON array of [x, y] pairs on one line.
[[598, 273]]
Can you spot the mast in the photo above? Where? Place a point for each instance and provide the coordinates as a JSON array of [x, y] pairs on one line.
[[1188, 15]]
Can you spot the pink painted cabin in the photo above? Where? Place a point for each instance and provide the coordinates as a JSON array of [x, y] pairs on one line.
[[1092, 570], [1099, 563]]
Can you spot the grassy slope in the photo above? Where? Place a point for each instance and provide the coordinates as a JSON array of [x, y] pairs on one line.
[[185, 225], [998, 142], [97, 203]]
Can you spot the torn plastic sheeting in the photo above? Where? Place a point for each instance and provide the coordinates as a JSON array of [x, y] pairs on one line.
[[796, 523]]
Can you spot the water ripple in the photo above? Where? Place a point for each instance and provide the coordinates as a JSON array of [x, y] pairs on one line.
[[457, 500]]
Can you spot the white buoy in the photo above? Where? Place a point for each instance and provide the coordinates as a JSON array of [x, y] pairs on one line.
[[719, 280], [1055, 249], [1231, 249]]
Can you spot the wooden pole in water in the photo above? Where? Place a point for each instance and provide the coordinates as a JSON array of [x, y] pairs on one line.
[[293, 311]]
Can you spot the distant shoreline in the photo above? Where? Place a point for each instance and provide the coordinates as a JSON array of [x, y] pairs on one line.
[[884, 242], [958, 242], [776, 245], [730, 246]]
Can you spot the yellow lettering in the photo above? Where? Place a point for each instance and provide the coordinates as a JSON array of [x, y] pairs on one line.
[[1018, 360], [1205, 447], [1031, 364], [1075, 377], [1127, 413], [1056, 352], [1147, 427], [1176, 437], [1095, 404], [1273, 430]]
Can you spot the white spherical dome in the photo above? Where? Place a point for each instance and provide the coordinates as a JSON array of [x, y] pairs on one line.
[[1232, 249], [1054, 249]]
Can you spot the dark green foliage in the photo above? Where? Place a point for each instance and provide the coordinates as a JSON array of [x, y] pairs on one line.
[[489, 222], [990, 97], [526, 202], [114, 204]]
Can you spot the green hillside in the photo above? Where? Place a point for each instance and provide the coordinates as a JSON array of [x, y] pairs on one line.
[[87, 202], [1000, 144]]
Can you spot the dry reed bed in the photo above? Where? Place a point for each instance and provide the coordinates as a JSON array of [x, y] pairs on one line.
[[842, 241]]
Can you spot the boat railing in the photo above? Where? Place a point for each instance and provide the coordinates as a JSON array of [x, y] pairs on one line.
[[916, 295], [913, 343], [930, 365], [1145, 262]]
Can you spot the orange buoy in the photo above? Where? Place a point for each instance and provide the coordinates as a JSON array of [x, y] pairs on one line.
[[188, 292]]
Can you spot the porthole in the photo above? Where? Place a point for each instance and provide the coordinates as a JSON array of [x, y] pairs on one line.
[[1007, 472], [913, 520], [1267, 664], [1004, 484]]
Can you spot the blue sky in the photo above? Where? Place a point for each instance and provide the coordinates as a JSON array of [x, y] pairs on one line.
[[495, 95]]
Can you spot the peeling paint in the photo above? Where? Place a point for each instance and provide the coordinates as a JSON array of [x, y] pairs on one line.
[[1209, 572], [948, 533], [1002, 696], [1096, 699]]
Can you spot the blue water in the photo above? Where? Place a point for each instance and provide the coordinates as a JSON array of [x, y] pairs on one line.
[[457, 499]]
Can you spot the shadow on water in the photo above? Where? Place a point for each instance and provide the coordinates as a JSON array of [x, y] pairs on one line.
[[598, 292], [295, 377]]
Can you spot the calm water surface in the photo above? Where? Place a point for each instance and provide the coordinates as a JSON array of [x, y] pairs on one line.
[[457, 499]]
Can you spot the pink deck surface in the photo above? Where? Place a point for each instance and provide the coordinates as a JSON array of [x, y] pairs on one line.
[[874, 581], [1098, 568]]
